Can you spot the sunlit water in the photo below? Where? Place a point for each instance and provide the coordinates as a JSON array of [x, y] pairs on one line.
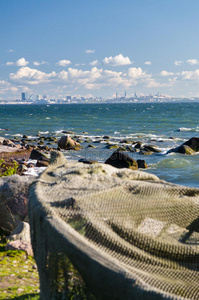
[[166, 125]]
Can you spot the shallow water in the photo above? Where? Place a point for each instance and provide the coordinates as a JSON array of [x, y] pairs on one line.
[[165, 125]]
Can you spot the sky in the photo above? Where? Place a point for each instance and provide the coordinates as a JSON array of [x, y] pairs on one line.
[[99, 48]]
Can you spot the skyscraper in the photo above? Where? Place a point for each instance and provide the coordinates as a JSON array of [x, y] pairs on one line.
[[23, 96]]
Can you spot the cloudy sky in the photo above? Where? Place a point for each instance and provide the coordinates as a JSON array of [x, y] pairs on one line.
[[97, 48]]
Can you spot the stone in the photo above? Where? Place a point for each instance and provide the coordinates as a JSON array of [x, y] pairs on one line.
[[8, 143], [1, 140], [21, 232], [189, 147], [13, 201], [39, 155], [20, 245], [193, 143], [138, 145], [87, 161], [121, 160], [141, 164], [67, 143], [42, 163], [151, 148]]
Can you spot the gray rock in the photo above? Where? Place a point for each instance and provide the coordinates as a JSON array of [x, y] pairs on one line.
[[13, 201], [67, 143], [20, 245], [21, 232]]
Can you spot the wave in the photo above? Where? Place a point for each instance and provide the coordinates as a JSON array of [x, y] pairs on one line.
[[188, 129]]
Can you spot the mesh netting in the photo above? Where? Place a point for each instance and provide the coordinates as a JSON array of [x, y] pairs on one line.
[[104, 233]]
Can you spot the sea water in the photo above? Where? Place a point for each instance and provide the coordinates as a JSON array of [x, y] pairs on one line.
[[166, 125]]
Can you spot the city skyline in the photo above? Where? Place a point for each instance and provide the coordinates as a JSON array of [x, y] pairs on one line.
[[98, 49]]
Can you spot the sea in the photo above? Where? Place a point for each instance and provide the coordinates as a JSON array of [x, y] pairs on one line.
[[165, 125]]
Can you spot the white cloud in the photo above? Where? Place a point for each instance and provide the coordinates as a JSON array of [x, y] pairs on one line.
[[8, 90], [31, 76], [94, 63], [10, 63], [148, 63], [90, 51], [193, 61], [64, 62], [37, 63], [118, 60], [191, 75], [22, 62], [178, 63], [165, 73], [137, 73], [10, 51]]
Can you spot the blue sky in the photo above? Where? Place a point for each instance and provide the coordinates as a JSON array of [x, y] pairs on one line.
[[98, 48]]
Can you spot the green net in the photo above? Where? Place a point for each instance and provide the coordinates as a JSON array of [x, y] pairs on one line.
[[104, 233]]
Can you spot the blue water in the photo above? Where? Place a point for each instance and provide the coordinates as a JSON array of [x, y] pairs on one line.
[[150, 123]]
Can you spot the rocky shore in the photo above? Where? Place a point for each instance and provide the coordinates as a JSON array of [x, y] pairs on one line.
[[17, 156]]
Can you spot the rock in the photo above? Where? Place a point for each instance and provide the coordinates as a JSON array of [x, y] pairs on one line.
[[25, 136], [21, 232], [112, 146], [67, 143], [42, 163], [91, 146], [151, 148], [8, 143], [87, 161], [193, 143], [22, 168], [141, 164], [13, 201], [68, 132], [106, 137], [189, 147], [145, 152], [1, 140], [39, 155], [138, 145], [20, 245], [121, 160]]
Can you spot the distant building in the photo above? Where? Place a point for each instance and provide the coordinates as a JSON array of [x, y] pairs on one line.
[[23, 96], [68, 98]]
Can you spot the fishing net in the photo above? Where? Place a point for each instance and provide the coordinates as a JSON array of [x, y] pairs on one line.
[[104, 233]]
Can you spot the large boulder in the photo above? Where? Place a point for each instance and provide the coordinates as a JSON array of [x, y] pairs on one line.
[[67, 143], [13, 201], [189, 147], [193, 143], [121, 160]]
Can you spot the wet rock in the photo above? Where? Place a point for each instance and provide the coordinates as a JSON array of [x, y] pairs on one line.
[[39, 155], [138, 145], [91, 146], [151, 148], [141, 164], [67, 143], [42, 163], [145, 152], [106, 137], [87, 161], [8, 143], [121, 160], [111, 146], [193, 143], [189, 147]]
